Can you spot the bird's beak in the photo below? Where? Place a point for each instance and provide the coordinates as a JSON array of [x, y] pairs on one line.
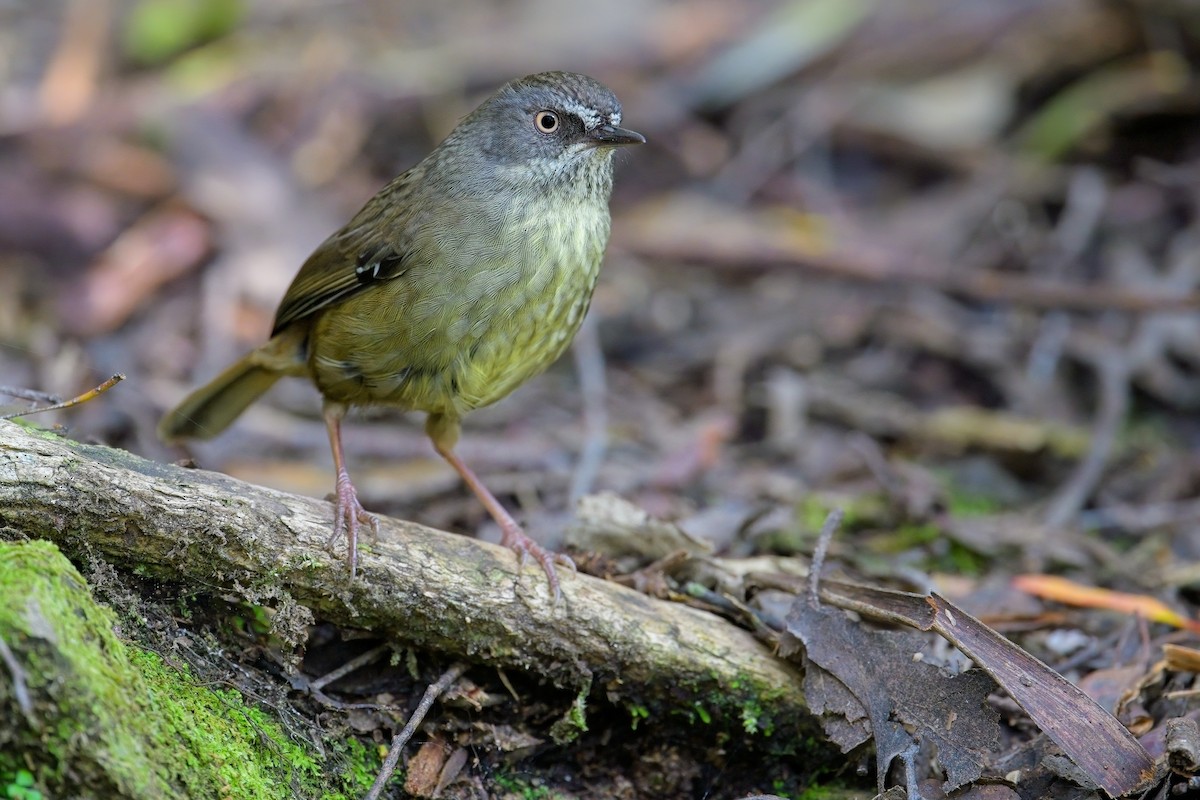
[[612, 136]]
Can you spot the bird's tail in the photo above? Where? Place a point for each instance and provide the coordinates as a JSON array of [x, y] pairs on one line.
[[213, 407]]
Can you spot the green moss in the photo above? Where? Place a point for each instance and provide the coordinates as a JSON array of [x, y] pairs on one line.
[[755, 720], [523, 789], [156, 30], [111, 720], [970, 504], [947, 555], [357, 765], [907, 537], [19, 785], [574, 722], [809, 517], [857, 510], [236, 745], [744, 700], [811, 512]]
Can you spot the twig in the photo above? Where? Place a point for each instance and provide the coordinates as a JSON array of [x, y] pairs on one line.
[[434, 691], [316, 687], [1113, 371], [832, 522], [74, 401], [868, 448], [1086, 198], [589, 366], [1138, 518], [348, 667], [32, 395], [1115, 367], [756, 246]]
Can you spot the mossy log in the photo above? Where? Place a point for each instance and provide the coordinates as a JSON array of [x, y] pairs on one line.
[[417, 586]]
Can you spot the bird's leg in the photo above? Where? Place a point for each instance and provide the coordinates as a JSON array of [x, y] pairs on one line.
[[443, 432], [348, 513]]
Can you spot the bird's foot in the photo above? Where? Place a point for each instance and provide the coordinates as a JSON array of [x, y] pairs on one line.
[[516, 540], [348, 516]]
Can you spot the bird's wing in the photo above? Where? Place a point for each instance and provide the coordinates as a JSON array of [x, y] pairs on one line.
[[370, 249]]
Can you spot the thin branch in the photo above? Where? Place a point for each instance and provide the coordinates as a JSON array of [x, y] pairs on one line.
[[90, 394], [589, 366], [1113, 373], [434, 691], [833, 521]]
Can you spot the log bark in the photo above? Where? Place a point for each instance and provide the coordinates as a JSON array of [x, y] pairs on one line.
[[418, 586]]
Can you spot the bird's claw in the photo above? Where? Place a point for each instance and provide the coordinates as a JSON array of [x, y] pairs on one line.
[[516, 540], [348, 515]]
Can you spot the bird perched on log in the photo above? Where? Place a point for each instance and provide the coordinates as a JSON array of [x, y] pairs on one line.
[[460, 280]]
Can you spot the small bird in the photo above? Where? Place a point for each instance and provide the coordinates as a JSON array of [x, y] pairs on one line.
[[460, 280]]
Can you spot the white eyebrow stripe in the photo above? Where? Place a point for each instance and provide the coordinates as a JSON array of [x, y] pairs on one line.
[[591, 117]]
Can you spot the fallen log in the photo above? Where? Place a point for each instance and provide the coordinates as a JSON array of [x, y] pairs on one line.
[[417, 586]]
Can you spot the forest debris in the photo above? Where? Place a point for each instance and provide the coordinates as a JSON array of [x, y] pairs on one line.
[[873, 693], [609, 524], [683, 227], [121, 166], [1024, 38], [422, 774], [1183, 746], [871, 684], [919, 112], [72, 78], [995, 533], [1178, 658], [795, 34], [1113, 370], [1063, 590], [997, 431], [960, 426], [434, 764], [1102, 749], [707, 439], [160, 247], [1084, 106], [59, 405], [589, 367]]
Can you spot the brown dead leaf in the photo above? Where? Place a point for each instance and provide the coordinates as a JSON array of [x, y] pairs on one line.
[[1181, 659], [1102, 749], [863, 680], [423, 778], [160, 247], [930, 790], [1054, 587]]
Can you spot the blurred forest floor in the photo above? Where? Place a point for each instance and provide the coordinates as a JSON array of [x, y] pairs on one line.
[[934, 263]]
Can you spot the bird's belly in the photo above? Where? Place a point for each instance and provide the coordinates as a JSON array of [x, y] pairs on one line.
[[447, 350], [537, 331]]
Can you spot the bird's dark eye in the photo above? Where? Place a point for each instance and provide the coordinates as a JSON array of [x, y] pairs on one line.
[[546, 121]]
